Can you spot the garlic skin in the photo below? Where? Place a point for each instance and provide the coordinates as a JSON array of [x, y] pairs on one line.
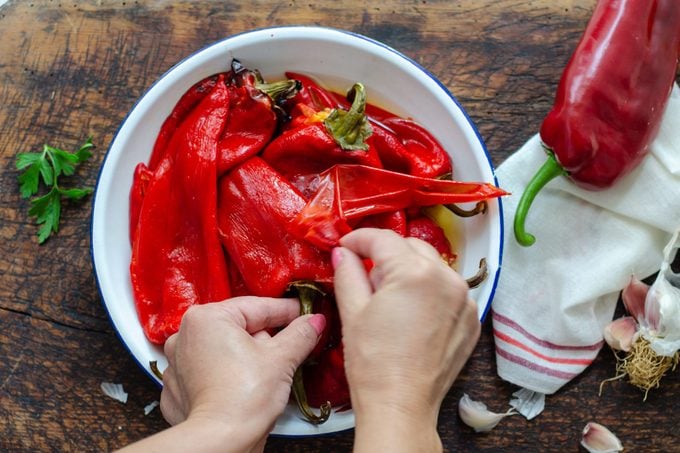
[[477, 416], [661, 326], [620, 333], [634, 295], [598, 439]]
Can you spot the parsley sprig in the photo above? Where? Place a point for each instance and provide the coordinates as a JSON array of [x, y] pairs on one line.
[[47, 166]]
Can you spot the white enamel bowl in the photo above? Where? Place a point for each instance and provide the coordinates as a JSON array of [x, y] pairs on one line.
[[338, 59]]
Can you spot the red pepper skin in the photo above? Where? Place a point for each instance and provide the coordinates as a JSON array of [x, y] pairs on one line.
[[610, 98], [184, 106], [254, 209], [349, 192], [614, 89], [427, 230], [177, 260], [302, 154]]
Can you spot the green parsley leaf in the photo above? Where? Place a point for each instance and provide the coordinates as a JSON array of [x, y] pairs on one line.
[[47, 209], [47, 166]]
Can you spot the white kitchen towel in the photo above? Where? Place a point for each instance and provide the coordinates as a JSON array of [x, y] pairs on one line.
[[555, 297]]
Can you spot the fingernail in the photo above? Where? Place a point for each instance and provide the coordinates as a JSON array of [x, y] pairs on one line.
[[318, 321], [336, 257]]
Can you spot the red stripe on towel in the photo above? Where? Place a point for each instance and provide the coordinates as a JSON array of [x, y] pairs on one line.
[[535, 367], [526, 348], [546, 344]]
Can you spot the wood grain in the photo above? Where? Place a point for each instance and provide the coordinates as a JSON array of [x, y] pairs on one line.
[[73, 69]]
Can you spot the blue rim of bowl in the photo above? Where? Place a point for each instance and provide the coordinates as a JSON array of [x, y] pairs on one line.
[[269, 29]]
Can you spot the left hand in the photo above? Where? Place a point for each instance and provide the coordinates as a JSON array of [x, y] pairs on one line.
[[224, 367]]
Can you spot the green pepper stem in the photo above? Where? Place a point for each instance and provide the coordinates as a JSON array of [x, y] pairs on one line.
[[303, 405], [548, 171], [480, 208], [307, 293], [277, 91], [350, 128]]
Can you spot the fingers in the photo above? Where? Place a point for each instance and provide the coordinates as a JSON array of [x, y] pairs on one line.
[[378, 245], [298, 339], [254, 314], [352, 286]]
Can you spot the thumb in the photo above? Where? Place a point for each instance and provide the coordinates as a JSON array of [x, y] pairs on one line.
[[298, 339]]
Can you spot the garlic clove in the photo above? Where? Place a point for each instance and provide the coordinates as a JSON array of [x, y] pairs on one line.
[[633, 296], [598, 439], [477, 416], [620, 333]]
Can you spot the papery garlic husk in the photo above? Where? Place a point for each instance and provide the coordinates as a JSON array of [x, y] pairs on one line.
[[598, 439], [633, 296], [620, 333], [476, 415]]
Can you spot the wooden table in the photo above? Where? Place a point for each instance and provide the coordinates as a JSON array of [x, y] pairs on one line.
[[73, 69]]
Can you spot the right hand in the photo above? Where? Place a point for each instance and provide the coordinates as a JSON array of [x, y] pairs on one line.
[[408, 328]]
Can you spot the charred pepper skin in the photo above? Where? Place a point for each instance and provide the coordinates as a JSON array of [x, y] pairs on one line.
[[610, 99]]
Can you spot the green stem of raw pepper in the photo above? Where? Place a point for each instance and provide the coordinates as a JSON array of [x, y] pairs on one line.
[[550, 170]]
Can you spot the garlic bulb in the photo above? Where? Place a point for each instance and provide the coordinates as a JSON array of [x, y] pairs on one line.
[[477, 416], [598, 439]]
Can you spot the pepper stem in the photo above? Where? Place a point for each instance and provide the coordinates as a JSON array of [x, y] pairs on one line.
[[279, 91], [480, 208], [307, 293], [549, 171], [350, 128]]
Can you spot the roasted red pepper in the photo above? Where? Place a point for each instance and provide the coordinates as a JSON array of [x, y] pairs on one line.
[[252, 117], [177, 259], [348, 192], [325, 380], [337, 137], [254, 209], [427, 230], [184, 106], [610, 99]]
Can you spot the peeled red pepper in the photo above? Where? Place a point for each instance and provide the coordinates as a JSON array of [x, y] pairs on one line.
[[348, 192], [254, 209], [177, 259], [610, 99], [336, 137]]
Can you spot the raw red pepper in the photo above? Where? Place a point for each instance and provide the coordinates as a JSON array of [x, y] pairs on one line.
[[177, 259], [302, 153], [252, 117], [254, 209], [351, 192], [610, 99]]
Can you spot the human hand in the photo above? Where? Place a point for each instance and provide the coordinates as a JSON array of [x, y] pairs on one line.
[[225, 371], [408, 328]]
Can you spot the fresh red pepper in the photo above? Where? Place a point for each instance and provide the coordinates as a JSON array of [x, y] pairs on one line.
[[254, 209], [610, 99], [302, 153], [252, 118], [177, 259], [351, 192], [427, 230]]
